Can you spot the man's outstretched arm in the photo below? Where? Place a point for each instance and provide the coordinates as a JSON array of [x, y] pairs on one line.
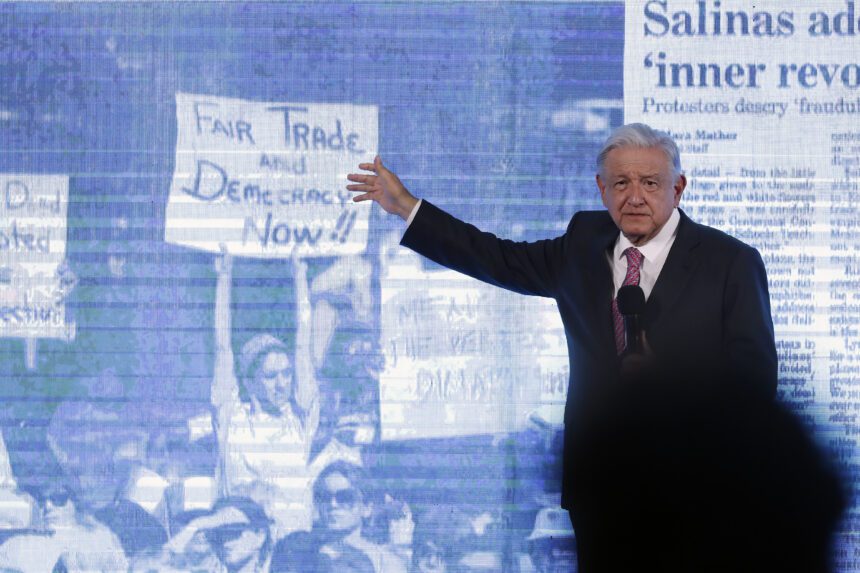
[[524, 267]]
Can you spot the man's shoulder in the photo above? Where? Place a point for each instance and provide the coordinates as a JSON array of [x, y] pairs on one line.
[[716, 239], [594, 217], [591, 221]]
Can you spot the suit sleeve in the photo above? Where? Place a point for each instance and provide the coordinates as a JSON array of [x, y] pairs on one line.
[[523, 267], [749, 337]]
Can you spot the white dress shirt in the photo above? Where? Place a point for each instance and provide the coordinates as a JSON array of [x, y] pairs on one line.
[[412, 213], [654, 254]]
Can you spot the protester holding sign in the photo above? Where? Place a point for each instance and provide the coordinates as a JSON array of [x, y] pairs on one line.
[[267, 412]]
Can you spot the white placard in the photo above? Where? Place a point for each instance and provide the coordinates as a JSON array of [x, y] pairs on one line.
[[267, 178], [32, 247], [463, 357]]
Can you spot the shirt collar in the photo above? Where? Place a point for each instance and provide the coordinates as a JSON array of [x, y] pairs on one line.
[[655, 246]]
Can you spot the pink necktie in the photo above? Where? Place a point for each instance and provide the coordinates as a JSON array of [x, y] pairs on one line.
[[634, 262]]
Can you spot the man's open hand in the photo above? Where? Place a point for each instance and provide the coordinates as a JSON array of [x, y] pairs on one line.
[[384, 187]]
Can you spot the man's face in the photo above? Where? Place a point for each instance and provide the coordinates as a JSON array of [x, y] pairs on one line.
[[275, 377], [340, 505], [639, 190]]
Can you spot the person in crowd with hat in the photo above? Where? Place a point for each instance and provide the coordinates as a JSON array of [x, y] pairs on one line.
[[266, 411], [551, 544]]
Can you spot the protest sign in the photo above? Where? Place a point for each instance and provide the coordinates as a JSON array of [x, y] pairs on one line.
[[32, 248], [267, 179], [465, 358]]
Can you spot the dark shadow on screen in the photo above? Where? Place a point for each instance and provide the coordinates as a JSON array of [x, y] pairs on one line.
[[675, 473]]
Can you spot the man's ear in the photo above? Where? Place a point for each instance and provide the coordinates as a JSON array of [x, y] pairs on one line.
[[602, 186], [680, 185]]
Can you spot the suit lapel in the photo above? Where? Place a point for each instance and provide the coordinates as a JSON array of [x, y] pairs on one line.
[[679, 267], [599, 284]]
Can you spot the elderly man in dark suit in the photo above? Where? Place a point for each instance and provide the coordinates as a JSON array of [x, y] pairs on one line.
[[707, 314]]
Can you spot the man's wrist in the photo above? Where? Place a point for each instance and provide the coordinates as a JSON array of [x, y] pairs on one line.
[[412, 212], [408, 207]]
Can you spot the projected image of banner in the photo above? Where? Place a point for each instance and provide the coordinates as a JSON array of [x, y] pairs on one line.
[[463, 357], [265, 179], [32, 248]]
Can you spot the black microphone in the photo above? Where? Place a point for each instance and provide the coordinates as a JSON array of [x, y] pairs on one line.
[[631, 304]]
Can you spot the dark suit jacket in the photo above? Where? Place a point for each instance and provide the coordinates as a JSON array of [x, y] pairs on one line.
[[709, 310]]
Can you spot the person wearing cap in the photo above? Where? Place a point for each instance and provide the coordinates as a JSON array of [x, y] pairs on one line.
[[266, 411], [551, 544]]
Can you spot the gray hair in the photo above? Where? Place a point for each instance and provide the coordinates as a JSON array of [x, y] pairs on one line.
[[641, 135]]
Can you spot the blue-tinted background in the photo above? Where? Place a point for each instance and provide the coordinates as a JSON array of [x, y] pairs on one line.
[[493, 110]]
